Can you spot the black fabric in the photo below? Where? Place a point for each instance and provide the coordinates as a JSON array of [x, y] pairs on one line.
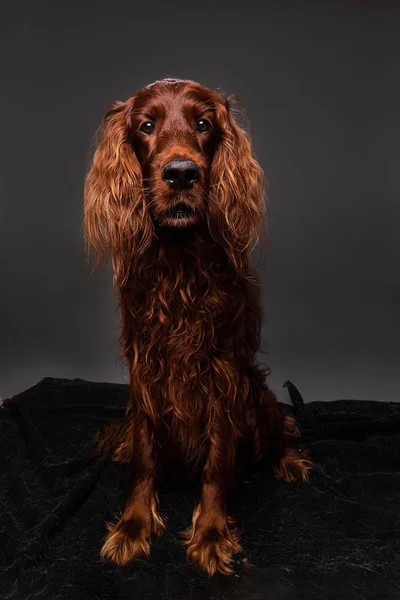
[[337, 537]]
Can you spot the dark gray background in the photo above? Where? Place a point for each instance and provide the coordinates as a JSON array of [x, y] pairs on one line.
[[321, 85]]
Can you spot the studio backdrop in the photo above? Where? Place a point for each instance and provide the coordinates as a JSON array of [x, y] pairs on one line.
[[320, 85]]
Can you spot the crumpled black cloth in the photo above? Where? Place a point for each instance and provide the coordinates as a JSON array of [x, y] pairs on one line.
[[337, 537]]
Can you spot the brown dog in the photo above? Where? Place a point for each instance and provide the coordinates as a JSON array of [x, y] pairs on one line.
[[175, 197]]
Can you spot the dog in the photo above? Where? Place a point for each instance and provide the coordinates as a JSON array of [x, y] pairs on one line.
[[175, 198]]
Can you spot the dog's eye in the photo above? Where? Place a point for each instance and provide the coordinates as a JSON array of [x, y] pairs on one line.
[[147, 127], [203, 125]]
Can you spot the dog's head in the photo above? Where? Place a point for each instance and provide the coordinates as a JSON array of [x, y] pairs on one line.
[[172, 156]]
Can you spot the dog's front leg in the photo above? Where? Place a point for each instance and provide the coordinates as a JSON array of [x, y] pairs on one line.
[[212, 538], [131, 536]]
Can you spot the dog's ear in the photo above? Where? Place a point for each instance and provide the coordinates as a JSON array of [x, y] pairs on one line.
[[237, 204], [114, 208]]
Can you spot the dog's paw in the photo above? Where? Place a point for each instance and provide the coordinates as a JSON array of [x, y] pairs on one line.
[[125, 541], [294, 465], [212, 547], [131, 537]]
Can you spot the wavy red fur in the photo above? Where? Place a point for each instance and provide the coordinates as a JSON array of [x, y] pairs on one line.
[[191, 313]]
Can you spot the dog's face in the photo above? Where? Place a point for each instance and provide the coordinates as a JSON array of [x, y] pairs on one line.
[[172, 156], [174, 133]]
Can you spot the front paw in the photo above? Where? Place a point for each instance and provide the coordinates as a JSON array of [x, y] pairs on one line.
[[131, 537], [212, 546], [125, 541]]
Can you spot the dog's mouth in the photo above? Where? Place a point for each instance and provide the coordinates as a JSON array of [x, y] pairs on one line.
[[180, 215], [181, 211]]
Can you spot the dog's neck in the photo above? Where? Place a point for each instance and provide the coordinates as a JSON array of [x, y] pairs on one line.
[[193, 246], [184, 237], [185, 254], [188, 254]]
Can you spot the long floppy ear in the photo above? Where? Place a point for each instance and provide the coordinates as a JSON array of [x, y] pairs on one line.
[[116, 222], [237, 206]]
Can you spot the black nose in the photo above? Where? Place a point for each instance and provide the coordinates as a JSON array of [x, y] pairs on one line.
[[180, 174]]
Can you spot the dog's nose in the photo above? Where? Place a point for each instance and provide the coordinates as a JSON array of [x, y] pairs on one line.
[[180, 174]]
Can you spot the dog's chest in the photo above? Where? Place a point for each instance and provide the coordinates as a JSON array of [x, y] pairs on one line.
[[192, 325], [187, 327], [183, 334]]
